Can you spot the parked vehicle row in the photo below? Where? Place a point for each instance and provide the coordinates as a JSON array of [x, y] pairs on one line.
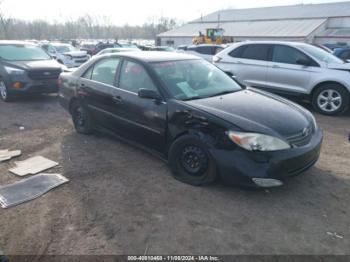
[[66, 54], [293, 69], [187, 111]]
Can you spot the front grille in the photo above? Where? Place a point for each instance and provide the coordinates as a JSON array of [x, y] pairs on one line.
[[44, 74], [302, 138]]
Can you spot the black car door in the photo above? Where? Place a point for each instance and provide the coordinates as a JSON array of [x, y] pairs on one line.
[[139, 119], [96, 88]]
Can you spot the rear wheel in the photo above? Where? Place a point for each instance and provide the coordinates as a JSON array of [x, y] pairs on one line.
[[331, 99], [5, 96], [191, 162], [82, 119]]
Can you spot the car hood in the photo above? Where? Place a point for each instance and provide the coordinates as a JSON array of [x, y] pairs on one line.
[[256, 111], [76, 53], [345, 66], [42, 64]]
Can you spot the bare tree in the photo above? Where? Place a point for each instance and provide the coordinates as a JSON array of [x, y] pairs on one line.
[[5, 22]]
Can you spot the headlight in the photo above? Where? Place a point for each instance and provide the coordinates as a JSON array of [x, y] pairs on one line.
[[14, 71], [314, 123], [257, 142]]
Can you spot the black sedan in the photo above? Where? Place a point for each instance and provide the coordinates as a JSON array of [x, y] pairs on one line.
[[25, 68], [196, 117]]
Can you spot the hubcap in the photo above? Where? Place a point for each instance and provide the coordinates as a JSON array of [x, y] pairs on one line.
[[329, 100], [3, 91], [194, 160]]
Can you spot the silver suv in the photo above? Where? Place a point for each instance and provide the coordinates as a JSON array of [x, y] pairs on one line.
[[289, 68]]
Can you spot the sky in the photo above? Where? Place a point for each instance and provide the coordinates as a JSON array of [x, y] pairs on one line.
[[130, 11]]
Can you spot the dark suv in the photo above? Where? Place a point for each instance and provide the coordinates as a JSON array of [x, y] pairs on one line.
[[26, 68]]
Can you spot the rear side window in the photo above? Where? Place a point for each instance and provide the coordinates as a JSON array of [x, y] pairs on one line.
[[256, 52], [345, 55], [287, 55], [206, 50], [103, 71], [253, 52]]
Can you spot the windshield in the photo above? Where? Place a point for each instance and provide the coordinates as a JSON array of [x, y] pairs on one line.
[[22, 53], [320, 54], [194, 79], [64, 48]]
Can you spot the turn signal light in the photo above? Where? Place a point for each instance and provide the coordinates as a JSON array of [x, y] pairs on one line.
[[17, 85]]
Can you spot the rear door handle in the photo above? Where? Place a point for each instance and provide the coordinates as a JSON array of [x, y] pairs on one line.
[[117, 99]]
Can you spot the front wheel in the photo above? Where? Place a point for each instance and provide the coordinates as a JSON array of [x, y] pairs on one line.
[[82, 119], [4, 95], [331, 99], [191, 162]]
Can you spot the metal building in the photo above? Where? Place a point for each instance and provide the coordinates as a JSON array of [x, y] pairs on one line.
[[312, 23]]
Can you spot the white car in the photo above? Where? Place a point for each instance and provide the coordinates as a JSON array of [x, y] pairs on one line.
[[204, 51], [290, 68], [66, 54]]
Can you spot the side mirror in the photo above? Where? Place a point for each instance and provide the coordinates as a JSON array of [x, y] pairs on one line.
[[303, 62], [149, 94]]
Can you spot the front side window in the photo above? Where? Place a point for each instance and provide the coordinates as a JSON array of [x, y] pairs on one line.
[[22, 52], [287, 55], [133, 77], [194, 79], [104, 71]]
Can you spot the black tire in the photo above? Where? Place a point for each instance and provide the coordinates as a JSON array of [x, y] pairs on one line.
[[191, 162], [4, 94], [337, 102], [82, 119]]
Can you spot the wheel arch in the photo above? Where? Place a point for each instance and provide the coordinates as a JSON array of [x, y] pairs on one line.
[[320, 84]]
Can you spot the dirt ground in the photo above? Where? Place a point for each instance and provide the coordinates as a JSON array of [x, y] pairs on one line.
[[121, 200]]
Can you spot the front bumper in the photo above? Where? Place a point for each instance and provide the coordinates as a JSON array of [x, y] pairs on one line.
[[30, 86], [241, 166]]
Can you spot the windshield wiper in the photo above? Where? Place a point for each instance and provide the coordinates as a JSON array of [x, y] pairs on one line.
[[192, 98]]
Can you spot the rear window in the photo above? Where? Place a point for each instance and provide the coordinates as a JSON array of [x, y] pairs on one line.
[[23, 53]]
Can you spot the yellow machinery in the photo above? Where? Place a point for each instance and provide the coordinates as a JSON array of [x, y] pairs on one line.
[[212, 36]]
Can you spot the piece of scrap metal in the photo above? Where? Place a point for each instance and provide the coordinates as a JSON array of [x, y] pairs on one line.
[[7, 154], [32, 166], [29, 189]]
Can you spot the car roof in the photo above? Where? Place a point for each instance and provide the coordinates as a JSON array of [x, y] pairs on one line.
[[156, 56], [271, 43]]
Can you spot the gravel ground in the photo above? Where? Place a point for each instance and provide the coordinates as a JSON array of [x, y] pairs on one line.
[[121, 200]]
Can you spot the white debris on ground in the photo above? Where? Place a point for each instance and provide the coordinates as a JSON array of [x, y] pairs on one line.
[[32, 166], [335, 235], [7, 154]]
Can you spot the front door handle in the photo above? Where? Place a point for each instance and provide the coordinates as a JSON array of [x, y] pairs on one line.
[[117, 99], [276, 66]]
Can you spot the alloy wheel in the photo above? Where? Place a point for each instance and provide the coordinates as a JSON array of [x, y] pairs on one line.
[[329, 100]]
